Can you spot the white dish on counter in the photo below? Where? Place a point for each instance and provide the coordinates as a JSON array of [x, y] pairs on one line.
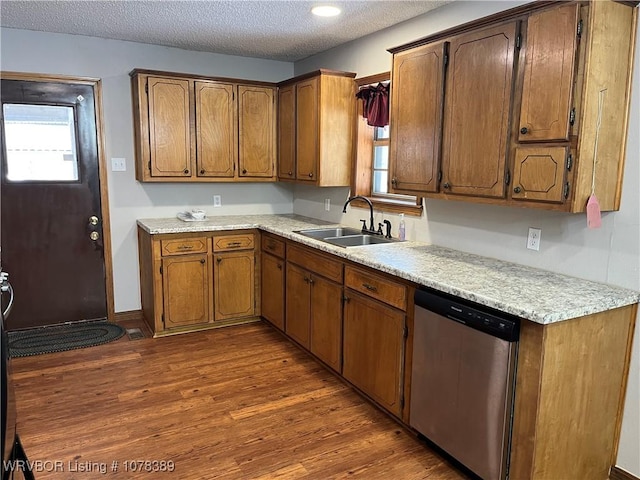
[[187, 217]]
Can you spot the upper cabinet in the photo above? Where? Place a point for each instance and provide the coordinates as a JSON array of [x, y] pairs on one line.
[[416, 109], [198, 129], [316, 118], [476, 115], [535, 107]]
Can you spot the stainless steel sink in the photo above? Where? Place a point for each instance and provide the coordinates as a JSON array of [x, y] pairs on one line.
[[322, 233], [357, 240]]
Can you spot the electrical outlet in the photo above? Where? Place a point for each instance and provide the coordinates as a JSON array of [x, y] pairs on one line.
[[118, 165], [327, 204], [533, 241], [217, 200]]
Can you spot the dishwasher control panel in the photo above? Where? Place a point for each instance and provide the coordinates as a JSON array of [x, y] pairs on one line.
[[501, 325]]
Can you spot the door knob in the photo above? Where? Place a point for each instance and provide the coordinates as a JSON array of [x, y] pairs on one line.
[[93, 220], [94, 236]]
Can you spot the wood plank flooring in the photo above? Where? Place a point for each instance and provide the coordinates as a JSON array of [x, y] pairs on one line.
[[232, 403]]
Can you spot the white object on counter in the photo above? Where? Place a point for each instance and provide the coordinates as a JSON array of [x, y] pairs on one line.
[[401, 228]]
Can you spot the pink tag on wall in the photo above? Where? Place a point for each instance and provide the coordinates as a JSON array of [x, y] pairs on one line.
[[594, 218]]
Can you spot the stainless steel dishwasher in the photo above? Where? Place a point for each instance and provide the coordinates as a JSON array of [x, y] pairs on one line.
[[462, 380]]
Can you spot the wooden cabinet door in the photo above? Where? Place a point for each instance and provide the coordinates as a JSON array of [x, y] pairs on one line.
[[169, 127], [476, 116], [373, 349], [256, 131], [216, 142], [326, 321], [307, 129], [416, 109], [272, 274], [539, 173], [298, 305], [185, 285], [234, 285], [549, 68], [287, 133]]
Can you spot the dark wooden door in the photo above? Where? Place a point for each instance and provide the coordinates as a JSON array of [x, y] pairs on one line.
[[287, 133], [307, 129], [51, 206], [325, 338]]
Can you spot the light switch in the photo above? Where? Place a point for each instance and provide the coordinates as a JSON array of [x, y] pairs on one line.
[[118, 165]]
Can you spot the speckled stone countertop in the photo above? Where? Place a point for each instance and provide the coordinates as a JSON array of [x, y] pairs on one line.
[[537, 295]]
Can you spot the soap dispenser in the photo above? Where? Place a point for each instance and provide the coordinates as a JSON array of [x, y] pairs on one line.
[[401, 228]]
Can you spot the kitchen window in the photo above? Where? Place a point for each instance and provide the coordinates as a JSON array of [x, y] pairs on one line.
[[371, 163]]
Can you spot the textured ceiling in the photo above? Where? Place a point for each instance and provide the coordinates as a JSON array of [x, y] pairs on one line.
[[274, 29]]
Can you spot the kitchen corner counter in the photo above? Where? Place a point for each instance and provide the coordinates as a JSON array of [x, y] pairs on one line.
[[537, 295]]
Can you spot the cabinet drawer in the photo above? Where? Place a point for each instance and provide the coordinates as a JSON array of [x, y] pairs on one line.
[[273, 245], [319, 264], [181, 246], [376, 286], [233, 242]]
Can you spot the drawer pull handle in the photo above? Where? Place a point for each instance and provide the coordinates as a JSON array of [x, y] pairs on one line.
[[271, 246], [234, 244], [370, 287], [185, 247]]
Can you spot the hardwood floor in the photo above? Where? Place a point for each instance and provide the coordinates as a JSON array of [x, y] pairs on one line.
[[232, 403]]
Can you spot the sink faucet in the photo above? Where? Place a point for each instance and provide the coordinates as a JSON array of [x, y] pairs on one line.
[[372, 227]]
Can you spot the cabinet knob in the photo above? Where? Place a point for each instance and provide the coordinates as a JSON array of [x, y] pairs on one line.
[[279, 266], [202, 261], [524, 130], [201, 172], [446, 186], [244, 170], [394, 182], [219, 260], [186, 171], [311, 174], [517, 190], [290, 173]]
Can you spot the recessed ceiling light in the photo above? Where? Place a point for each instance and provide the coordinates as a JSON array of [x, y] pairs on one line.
[[325, 11]]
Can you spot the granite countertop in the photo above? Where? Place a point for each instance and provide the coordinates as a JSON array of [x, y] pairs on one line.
[[530, 293]]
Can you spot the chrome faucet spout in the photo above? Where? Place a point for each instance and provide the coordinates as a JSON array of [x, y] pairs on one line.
[[371, 224]]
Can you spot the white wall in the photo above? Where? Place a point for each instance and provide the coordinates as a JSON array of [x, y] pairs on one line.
[[112, 60], [610, 254]]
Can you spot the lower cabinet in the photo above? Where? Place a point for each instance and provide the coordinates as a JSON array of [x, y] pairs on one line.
[[374, 349], [273, 289], [192, 281], [234, 281], [314, 304], [186, 286]]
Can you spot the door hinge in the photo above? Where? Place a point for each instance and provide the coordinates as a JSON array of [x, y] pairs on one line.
[[162, 316], [233, 95], [160, 269], [146, 88], [446, 59], [566, 190], [572, 116], [439, 176], [507, 178], [569, 162], [402, 401], [405, 332], [518, 41], [579, 29], [149, 165]]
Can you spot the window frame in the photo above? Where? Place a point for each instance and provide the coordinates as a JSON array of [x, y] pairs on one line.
[[362, 167]]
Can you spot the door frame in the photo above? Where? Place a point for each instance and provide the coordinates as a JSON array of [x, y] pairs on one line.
[[96, 84]]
